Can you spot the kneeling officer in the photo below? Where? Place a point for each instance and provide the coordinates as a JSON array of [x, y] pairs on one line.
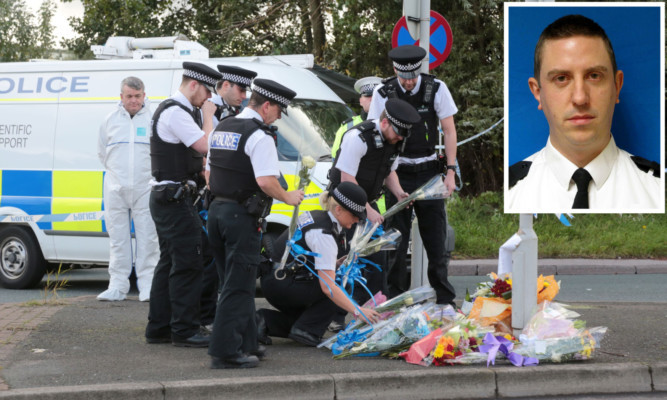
[[244, 179]]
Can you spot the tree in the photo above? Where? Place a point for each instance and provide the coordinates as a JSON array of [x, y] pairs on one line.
[[25, 36]]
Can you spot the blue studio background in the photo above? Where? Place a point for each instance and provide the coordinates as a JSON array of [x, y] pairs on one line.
[[635, 36]]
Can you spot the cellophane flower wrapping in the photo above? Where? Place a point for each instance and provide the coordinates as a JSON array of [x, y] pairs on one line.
[[307, 163], [400, 331], [388, 241], [433, 189], [387, 309], [554, 334], [455, 343]]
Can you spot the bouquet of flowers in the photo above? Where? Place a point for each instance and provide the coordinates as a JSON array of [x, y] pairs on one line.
[[554, 334], [454, 344], [307, 163], [399, 332], [358, 329], [433, 189]]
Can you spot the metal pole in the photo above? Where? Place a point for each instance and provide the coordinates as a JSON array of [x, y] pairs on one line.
[[425, 31], [524, 274]]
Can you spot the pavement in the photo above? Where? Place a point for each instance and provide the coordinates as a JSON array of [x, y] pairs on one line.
[[81, 348]]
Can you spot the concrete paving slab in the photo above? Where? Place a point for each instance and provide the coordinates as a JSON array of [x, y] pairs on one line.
[[659, 375], [581, 379], [134, 391]]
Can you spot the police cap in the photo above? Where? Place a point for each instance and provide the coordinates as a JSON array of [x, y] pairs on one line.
[[402, 116], [203, 74], [274, 91], [365, 86], [351, 197], [407, 60], [239, 76]]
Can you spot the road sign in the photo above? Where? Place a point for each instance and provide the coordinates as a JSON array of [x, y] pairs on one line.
[[440, 40]]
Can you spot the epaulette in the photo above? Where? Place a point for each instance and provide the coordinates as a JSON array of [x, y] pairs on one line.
[[518, 171], [647, 165]]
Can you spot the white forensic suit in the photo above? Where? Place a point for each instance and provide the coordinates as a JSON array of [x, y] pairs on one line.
[[124, 150]]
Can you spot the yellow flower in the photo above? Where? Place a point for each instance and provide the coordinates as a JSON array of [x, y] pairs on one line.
[[508, 336], [509, 281], [546, 284], [439, 351]]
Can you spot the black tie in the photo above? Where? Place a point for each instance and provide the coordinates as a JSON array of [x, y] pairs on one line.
[[582, 178], [408, 92], [196, 114]]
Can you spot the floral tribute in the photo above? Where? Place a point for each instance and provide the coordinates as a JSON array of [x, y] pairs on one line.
[[415, 329]]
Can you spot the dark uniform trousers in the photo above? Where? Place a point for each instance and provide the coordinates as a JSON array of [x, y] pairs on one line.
[[433, 230], [177, 281], [235, 240], [301, 303]]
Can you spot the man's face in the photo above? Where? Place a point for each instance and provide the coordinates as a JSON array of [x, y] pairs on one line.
[[577, 91], [407, 84], [132, 99], [273, 113], [232, 93], [201, 94], [365, 102], [389, 133]]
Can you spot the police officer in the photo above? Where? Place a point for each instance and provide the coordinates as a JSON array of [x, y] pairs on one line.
[[306, 303], [230, 91], [244, 175], [367, 156], [419, 162], [364, 87], [177, 147]]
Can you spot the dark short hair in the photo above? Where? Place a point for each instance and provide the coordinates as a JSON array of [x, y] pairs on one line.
[[256, 100], [569, 26]]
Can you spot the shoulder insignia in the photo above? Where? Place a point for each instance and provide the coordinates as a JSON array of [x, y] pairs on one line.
[[305, 219], [518, 171], [647, 165]]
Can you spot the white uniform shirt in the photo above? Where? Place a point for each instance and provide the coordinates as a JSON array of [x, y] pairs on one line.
[[123, 148], [353, 149], [618, 185], [324, 245], [260, 147], [218, 101], [443, 103]]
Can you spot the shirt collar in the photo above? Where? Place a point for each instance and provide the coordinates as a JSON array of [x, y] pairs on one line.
[[599, 168], [416, 88], [250, 113], [338, 228], [180, 97]]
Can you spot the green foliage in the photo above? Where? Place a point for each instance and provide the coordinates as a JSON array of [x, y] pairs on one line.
[[482, 227], [25, 36]]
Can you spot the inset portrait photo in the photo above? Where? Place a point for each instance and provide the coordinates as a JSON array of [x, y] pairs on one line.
[[584, 108]]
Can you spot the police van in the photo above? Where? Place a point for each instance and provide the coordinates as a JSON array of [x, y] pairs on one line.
[[50, 112]]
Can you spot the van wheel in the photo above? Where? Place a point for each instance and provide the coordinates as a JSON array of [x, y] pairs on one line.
[[22, 264]]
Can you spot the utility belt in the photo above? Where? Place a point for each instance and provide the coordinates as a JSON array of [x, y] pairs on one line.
[[414, 168], [174, 192], [295, 270], [258, 205]]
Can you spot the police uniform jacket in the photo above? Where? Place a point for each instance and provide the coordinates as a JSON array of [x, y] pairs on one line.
[[621, 182], [366, 155], [241, 149], [174, 130], [432, 99]]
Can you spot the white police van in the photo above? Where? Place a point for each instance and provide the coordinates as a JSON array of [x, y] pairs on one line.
[[50, 112]]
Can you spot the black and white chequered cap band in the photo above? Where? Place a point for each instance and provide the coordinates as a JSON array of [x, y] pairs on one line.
[[407, 67], [198, 76], [241, 80], [368, 88], [283, 101], [348, 203], [398, 123]]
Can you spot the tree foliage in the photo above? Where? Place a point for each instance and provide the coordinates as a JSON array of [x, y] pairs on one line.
[[24, 35]]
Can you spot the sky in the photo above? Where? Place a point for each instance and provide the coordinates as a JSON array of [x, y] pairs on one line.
[[63, 11]]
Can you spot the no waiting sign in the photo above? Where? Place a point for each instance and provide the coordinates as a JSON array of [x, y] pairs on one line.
[[440, 40]]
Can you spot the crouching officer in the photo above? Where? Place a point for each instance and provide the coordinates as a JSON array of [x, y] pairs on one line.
[[367, 157], [243, 178], [177, 145], [307, 303]]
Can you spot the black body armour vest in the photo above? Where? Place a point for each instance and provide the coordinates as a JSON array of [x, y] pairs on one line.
[[173, 161], [374, 166], [232, 175], [424, 136], [316, 219]]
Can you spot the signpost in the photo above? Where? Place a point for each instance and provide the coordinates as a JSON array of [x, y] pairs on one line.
[[440, 39]]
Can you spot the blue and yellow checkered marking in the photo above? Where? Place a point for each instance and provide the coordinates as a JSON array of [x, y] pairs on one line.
[[54, 192]]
